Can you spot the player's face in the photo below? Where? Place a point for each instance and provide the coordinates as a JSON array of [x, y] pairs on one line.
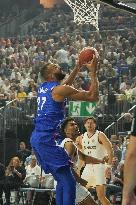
[[72, 129], [59, 75], [90, 125], [56, 71]]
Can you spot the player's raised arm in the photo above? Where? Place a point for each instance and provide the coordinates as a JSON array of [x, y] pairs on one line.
[[72, 75], [63, 91]]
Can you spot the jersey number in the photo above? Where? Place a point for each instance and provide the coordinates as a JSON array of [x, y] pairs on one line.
[[41, 101]]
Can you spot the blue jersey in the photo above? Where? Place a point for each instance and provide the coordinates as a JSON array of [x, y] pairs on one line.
[[49, 112], [43, 140]]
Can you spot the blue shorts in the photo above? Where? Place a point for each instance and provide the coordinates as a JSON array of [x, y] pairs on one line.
[[49, 155]]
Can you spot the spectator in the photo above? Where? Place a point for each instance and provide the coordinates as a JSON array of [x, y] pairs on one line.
[[62, 57], [123, 85], [114, 165], [111, 189], [116, 150], [131, 58], [29, 158], [118, 176], [23, 152], [21, 94], [34, 177], [2, 100], [33, 169], [15, 175], [127, 122]]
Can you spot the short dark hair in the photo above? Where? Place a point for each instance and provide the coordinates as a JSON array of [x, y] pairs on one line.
[[64, 124], [43, 69], [91, 118]]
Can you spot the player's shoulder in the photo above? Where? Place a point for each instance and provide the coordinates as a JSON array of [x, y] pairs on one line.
[[46, 86], [101, 134], [69, 144], [66, 140]]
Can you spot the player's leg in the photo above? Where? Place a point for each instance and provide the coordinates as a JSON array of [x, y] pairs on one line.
[[59, 194], [101, 195], [99, 172], [55, 160], [87, 174], [83, 196], [66, 186]]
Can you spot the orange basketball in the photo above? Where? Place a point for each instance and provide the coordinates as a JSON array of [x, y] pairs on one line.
[[86, 55]]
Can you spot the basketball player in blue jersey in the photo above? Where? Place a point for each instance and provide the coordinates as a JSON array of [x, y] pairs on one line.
[[50, 112]]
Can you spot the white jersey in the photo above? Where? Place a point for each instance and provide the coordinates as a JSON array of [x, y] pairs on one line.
[[94, 173], [92, 147], [81, 192], [74, 157]]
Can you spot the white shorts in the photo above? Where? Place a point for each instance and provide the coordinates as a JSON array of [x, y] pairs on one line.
[[94, 174], [81, 193]]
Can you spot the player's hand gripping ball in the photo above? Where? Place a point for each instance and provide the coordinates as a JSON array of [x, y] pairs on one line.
[[86, 55]]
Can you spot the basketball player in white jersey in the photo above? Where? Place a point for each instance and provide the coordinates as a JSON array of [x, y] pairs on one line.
[[70, 130], [96, 144]]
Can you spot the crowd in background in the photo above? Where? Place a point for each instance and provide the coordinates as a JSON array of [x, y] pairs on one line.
[[17, 8], [21, 60]]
